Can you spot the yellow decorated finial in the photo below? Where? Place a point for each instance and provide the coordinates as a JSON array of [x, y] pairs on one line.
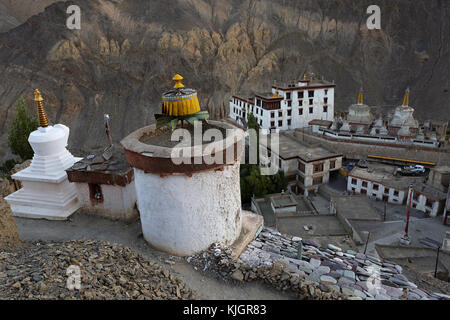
[[43, 121], [275, 95], [406, 98], [360, 96], [304, 76], [177, 79]]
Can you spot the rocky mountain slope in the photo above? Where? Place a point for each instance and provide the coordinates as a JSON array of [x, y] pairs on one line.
[[126, 52], [16, 12]]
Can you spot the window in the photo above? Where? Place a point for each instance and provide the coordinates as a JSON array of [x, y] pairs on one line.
[[386, 190], [272, 123], [325, 100], [311, 93], [280, 113], [318, 167], [289, 113], [300, 102], [300, 111], [326, 91], [288, 95], [280, 123], [364, 184], [311, 101], [332, 164], [311, 109], [289, 103], [272, 114], [317, 180], [325, 108], [429, 203], [396, 193], [95, 193], [354, 181], [289, 122], [376, 187], [301, 166]]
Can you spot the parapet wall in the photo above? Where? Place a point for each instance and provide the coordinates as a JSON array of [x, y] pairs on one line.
[[361, 149]]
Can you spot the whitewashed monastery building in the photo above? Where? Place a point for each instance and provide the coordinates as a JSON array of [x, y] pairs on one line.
[[287, 107]]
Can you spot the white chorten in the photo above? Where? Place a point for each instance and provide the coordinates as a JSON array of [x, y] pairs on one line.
[[359, 113], [403, 115], [46, 192]]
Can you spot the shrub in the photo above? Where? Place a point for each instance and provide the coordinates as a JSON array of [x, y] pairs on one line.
[[21, 128]]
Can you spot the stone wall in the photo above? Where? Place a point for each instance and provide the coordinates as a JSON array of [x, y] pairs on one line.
[[361, 149]]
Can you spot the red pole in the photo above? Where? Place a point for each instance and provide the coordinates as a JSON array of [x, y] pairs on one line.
[[411, 194]]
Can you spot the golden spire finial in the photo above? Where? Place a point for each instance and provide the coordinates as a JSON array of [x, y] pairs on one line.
[[406, 98], [360, 96], [177, 78], [43, 121], [304, 76]]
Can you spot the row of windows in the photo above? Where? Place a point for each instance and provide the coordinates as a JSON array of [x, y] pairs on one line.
[[319, 167], [310, 94], [375, 187], [300, 111], [259, 111], [301, 102]]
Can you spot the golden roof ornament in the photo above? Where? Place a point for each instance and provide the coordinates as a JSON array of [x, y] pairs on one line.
[[177, 78], [43, 121], [178, 104], [360, 96], [406, 98]]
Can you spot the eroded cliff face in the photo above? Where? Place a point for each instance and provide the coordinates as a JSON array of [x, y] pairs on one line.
[[126, 52]]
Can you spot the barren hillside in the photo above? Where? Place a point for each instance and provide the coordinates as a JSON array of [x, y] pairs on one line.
[[126, 52]]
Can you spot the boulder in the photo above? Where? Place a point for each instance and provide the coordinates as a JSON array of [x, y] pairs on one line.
[[9, 237]]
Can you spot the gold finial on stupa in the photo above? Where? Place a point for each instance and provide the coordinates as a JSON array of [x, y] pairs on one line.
[[360, 96], [406, 98], [177, 78], [304, 76], [43, 121]]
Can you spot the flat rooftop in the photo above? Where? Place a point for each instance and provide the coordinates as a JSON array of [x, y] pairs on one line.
[[268, 95], [289, 147], [95, 162], [429, 191], [356, 207], [311, 84], [384, 174]]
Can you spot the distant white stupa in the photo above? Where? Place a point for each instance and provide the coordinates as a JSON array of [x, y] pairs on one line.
[[46, 192]]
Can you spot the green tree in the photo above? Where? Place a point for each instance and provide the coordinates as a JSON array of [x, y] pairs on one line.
[[253, 124], [21, 128], [253, 183]]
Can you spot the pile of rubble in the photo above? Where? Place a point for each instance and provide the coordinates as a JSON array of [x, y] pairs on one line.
[[107, 271], [320, 273]]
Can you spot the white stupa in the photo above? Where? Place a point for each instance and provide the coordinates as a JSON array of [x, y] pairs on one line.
[[46, 192], [403, 115]]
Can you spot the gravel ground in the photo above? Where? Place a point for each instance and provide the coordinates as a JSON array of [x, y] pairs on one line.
[[108, 271]]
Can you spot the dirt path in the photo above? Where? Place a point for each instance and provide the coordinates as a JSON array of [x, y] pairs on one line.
[[82, 226]]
